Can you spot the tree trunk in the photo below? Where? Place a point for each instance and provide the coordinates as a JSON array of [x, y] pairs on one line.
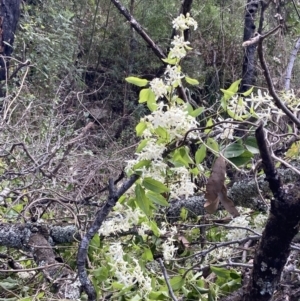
[[249, 55], [9, 17]]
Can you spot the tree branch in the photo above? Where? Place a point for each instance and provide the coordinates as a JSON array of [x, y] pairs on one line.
[[267, 75], [100, 217], [282, 225], [290, 66]]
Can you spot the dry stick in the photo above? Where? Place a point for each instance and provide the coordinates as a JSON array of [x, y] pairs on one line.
[[166, 276], [101, 215], [139, 29], [267, 75]]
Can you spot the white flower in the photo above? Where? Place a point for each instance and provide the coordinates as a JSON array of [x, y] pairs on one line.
[[122, 219], [237, 106], [235, 234], [259, 100], [173, 75], [158, 87], [226, 128], [190, 21], [182, 22], [178, 41], [177, 52], [169, 249], [182, 184], [128, 273]]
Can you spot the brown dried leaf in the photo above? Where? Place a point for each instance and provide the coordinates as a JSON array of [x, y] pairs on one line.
[[184, 241], [227, 203], [211, 207], [214, 185]]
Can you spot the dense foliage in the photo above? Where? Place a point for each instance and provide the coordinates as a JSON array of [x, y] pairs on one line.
[[91, 101]]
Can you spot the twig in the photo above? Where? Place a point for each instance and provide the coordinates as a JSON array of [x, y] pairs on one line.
[[139, 29], [166, 276], [101, 215], [269, 81]]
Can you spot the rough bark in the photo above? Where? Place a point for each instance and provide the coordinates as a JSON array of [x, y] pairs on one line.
[[274, 247], [282, 225], [38, 239], [63, 278], [9, 17], [249, 55]]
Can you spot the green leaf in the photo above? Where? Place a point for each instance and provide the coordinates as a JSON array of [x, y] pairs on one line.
[[191, 81], [208, 124], [154, 228], [140, 128], [184, 152], [136, 81], [190, 108], [183, 214], [228, 93], [151, 104], [212, 144], [221, 272], [170, 61], [234, 86], [244, 158], [142, 201], [251, 145], [146, 95], [160, 131], [117, 285], [154, 185], [95, 242], [160, 295], [235, 275], [142, 164], [196, 112], [142, 144], [147, 255], [157, 198], [177, 282], [247, 93], [180, 157], [101, 273], [234, 116], [200, 154], [233, 150]]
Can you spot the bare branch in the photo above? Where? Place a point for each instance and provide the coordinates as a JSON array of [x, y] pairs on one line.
[[101, 215], [166, 276]]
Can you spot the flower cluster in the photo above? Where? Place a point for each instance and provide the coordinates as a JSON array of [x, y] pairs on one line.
[[235, 234], [122, 219], [226, 129], [175, 122], [174, 119], [168, 246], [179, 49], [158, 87], [183, 23], [128, 274]]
